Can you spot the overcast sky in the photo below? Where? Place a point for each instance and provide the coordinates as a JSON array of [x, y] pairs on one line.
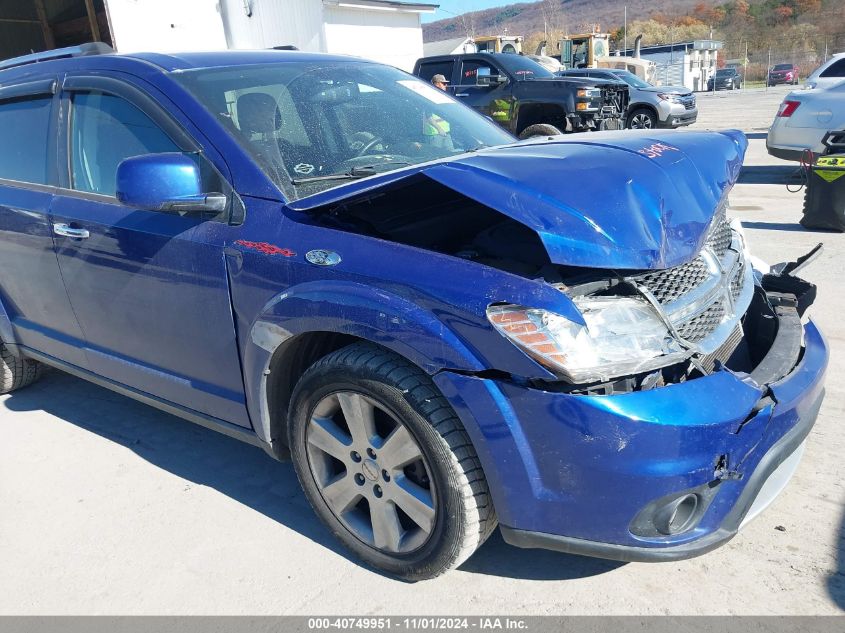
[[451, 8]]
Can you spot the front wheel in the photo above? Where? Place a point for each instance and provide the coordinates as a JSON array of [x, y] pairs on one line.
[[386, 464], [642, 119], [539, 129]]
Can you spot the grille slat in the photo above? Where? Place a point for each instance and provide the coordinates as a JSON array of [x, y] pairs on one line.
[[725, 351]]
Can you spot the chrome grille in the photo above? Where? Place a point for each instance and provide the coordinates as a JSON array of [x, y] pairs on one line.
[[720, 236], [672, 283], [688, 101], [705, 298], [736, 281], [698, 328]]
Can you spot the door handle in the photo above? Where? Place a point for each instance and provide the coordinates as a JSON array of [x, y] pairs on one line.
[[461, 94], [69, 231]]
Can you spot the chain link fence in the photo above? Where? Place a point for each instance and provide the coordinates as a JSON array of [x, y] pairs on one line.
[[685, 67], [755, 62]]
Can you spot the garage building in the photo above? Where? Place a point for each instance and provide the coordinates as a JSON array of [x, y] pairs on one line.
[[388, 31]]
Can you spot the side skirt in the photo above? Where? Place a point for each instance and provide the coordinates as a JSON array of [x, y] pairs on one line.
[[209, 422]]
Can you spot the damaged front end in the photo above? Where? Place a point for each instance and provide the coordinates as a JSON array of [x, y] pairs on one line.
[[637, 388], [648, 329], [667, 456]]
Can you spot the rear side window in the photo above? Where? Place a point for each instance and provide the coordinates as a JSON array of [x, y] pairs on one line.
[[105, 130], [836, 69], [23, 152], [429, 69]]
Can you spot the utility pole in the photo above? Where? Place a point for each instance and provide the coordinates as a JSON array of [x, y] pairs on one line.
[[625, 48], [768, 67], [745, 66]]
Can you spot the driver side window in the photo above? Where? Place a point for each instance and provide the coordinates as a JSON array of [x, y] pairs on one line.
[[105, 130]]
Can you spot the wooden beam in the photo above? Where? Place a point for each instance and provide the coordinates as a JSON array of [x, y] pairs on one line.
[[49, 40], [92, 20]]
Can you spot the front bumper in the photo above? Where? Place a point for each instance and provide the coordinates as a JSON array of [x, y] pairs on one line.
[[571, 472], [679, 117]]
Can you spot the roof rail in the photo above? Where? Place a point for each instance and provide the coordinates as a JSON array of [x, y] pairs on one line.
[[83, 50]]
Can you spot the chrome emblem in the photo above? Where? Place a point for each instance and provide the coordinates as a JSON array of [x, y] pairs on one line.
[[322, 258], [370, 469]]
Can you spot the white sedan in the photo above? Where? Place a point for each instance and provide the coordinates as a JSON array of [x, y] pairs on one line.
[[829, 73], [803, 119]]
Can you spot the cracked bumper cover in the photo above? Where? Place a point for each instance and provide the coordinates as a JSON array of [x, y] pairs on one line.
[[570, 472]]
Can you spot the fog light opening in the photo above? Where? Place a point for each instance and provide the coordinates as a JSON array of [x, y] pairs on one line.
[[677, 516]]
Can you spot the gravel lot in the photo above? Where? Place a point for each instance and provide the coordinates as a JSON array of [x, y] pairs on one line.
[[111, 507]]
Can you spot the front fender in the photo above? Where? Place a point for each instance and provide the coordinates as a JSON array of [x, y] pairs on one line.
[[347, 307]]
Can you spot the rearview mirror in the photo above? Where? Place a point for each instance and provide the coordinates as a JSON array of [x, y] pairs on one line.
[[336, 93], [165, 182]]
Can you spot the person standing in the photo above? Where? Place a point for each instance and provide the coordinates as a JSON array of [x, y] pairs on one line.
[[435, 128]]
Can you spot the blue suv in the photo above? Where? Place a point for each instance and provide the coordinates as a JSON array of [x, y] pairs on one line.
[[445, 329]]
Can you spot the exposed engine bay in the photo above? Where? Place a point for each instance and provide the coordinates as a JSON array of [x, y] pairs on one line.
[[658, 327]]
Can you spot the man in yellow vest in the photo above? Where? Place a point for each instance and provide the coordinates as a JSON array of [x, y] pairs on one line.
[[435, 128]]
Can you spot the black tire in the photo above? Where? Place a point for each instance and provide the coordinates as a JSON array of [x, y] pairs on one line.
[[539, 129], [402, 395], [15, 372], [641, 119]]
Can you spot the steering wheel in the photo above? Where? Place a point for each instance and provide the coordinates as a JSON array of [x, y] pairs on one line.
[[368, 145]]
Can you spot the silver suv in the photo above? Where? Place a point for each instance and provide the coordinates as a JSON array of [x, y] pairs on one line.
[[648, 106]]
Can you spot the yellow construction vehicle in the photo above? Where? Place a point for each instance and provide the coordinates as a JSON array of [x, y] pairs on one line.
[[498, 43]]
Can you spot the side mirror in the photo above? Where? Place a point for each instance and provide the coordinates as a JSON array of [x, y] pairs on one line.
[[485, 78], [165, 182]]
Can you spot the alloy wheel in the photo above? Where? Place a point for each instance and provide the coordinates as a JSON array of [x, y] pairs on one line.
[[641, 122], [371, 472]]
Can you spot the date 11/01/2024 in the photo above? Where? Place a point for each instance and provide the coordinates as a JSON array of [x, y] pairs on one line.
[[417, 623]]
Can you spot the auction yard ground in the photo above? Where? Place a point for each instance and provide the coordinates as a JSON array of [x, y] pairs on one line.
[[110, 507]]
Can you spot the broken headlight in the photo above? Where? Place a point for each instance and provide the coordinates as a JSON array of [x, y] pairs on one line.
[[621, 336]]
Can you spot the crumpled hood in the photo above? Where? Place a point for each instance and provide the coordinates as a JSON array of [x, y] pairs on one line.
[[624, 200]]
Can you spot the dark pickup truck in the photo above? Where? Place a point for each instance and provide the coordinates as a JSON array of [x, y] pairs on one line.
[[525, 98]]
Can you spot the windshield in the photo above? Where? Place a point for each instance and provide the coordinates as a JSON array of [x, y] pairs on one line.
[[310, 125], [523, 67], [631, 79], [783, 67], [725, 72]]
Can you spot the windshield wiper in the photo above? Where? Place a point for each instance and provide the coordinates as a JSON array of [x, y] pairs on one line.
[[352, 174]]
